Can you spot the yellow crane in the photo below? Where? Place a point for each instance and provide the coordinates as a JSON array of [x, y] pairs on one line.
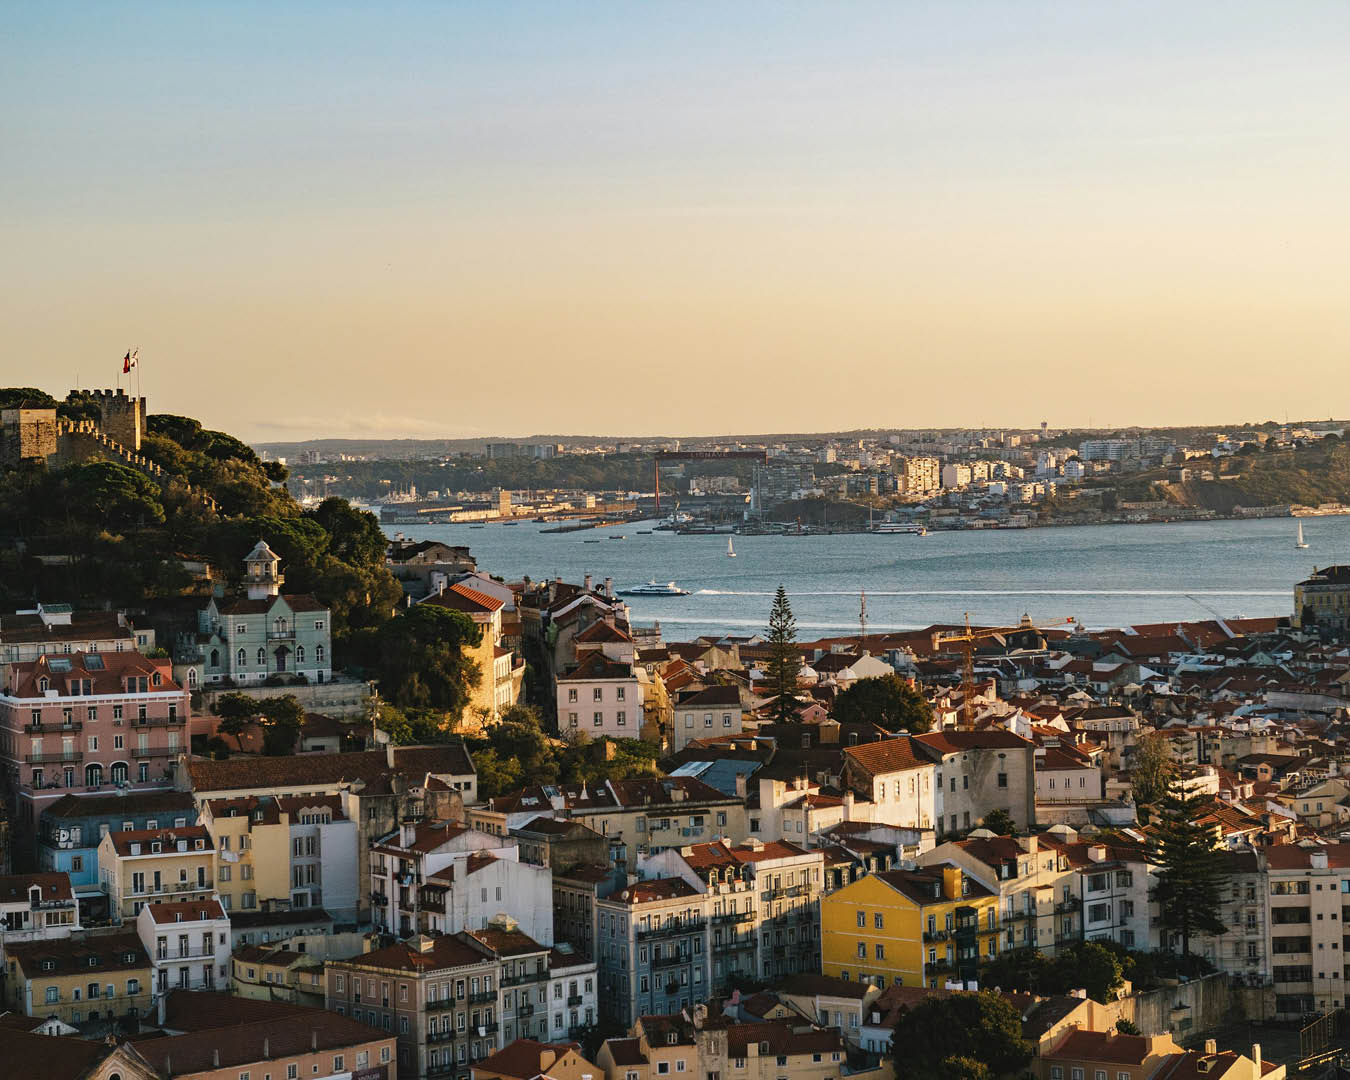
[[968, 637]]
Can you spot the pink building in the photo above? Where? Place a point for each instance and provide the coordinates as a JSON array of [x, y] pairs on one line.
[[89, 721]]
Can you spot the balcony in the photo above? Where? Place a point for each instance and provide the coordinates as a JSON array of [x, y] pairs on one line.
[[670, 929], [937, 967], [486, 1029], [53, 729], [160, 721], [673, 961], [379, 898], [526, 977], [53, 759], [931, 936], [154, 751], [734, 917], [281, 635], [441, 1036], [483, 998], [524, 1010], [573, 999], [1067, 905]]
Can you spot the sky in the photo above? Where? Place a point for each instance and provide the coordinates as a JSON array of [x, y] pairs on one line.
[[465, 219]]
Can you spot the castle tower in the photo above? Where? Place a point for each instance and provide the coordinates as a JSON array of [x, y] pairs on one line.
[[262, 573], [121, 418]]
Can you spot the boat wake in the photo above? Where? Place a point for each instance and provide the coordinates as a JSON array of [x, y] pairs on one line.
[[1003, 592]]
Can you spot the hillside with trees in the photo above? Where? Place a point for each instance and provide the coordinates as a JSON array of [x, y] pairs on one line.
[[102, 532]]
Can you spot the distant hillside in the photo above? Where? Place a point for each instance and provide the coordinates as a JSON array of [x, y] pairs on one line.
[[1307, 477]]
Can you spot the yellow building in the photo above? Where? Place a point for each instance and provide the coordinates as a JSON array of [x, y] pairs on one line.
[[153, 866], [78, 979], [276, 973], [909, 927], [253, 851]]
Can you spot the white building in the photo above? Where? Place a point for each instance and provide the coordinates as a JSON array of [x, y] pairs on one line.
[[188, 943], [36, 907]]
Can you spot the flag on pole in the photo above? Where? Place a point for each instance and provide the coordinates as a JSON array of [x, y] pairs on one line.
[[129, 361]]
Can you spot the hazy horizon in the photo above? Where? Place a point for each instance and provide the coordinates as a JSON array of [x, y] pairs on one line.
[[449, 221]]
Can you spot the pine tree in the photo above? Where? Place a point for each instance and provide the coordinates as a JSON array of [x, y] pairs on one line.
[[785, 660], [1191, 870]]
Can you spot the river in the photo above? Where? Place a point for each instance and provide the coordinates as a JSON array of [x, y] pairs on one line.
[[1109, 575]]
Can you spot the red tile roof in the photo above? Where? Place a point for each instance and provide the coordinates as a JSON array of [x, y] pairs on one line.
[[888, 756]]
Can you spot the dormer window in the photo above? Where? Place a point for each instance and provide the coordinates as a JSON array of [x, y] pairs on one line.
[[154, 847], [155, 679], [49, 965], [43, 684]]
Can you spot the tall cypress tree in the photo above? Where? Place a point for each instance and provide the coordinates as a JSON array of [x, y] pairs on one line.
[[785, 660], [1191, 870]]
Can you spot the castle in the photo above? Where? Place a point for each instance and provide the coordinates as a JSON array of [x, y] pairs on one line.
[[35, 433]]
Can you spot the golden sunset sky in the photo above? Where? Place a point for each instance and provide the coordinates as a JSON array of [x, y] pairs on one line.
[[458, 219]]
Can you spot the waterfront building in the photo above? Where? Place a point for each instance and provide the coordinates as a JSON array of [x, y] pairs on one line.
[[910, 927], [602, 697]]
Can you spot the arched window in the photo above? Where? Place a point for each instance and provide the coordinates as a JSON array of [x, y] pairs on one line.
[[118, 773], [93, 775], [318, 653], [215, 658], [299, 654], [262, 656], [155, 679], [43, 684], [281, 626], [192, 676], [243, 658]]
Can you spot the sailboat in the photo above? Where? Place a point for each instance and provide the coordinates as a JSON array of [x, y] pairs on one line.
[[1300, 543], [731, 549]]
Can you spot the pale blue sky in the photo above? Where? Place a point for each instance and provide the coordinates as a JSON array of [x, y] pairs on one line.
[[452, 219]]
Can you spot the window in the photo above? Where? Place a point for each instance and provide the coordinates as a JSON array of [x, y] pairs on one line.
[[878, 921], [598, 719], [572, 695], [598, 693], [881, 952], [862, 919]]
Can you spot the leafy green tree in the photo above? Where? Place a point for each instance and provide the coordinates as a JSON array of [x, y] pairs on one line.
[[1152, 768], [785, 659], [999, 822], [1127, 1027], [961, 1067], [1027, 970], [1191, 870], [932, 1037], [419, 660], [281, 718], [11, 397], [887, 701], [586, 762], [497, 774], [1092, 967], [237, 712]]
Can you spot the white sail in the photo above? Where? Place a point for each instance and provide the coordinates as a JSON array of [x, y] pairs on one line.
[[1300, 543], [731, 549]]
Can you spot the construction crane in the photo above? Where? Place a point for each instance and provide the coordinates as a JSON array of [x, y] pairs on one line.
[[968, 637]]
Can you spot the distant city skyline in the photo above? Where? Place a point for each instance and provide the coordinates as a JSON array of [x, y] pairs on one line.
[[427, 220]]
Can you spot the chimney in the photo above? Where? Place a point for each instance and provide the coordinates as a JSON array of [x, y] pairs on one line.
[[1256, 1057], [389, 754], [314, 1041], [586, 583], [740, 786], [1211, 1046], [609, 587], [215, 1058], [267, 1048], [407, 834], [951, 882]]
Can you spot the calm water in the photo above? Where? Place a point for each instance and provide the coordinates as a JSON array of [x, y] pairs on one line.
[[1102, 575]]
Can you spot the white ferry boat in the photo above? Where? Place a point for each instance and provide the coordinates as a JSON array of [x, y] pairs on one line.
[[655, 588]]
